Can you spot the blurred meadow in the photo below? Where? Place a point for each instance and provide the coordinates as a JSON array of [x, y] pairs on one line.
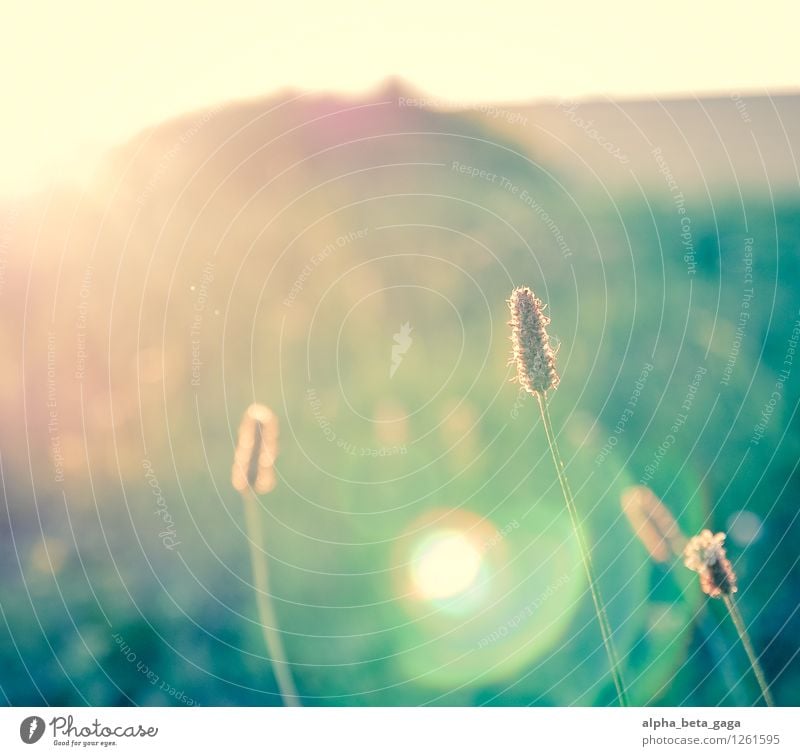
[[347, 262]]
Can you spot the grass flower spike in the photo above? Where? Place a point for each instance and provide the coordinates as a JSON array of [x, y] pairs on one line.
[[705, 555], [253, 472], [536, 372], [532, 353], [653, 523], [256, 450]]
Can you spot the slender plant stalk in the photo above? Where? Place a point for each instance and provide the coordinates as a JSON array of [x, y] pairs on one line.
[[748, 647], [266, 611], [594, 589], [536, 372], [705, 555]]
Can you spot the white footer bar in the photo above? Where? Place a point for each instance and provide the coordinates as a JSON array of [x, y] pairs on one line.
[[404, 732]]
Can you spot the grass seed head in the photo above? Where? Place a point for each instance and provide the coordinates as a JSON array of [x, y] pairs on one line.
[[256, 450], [706, 555], [653, 523], [532, 353]]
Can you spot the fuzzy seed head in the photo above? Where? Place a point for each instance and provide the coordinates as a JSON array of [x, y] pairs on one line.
[[653, 523], [706, 555], [532, 353], [256, 450]]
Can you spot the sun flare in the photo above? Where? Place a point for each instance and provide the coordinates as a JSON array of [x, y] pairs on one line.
[[445, 565]]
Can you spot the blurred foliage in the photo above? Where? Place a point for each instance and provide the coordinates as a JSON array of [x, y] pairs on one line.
[[193, 239]]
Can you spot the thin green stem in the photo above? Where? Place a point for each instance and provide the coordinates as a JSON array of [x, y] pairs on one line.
[[266, 611], [594, 589], [748, 647]]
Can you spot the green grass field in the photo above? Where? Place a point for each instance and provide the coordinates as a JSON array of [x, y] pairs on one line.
[[273, 256]]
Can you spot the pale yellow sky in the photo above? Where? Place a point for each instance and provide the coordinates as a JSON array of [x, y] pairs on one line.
[[80, 76]]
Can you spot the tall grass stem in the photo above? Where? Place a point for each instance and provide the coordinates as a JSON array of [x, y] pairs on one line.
[[266, 611], [736, 616], [594, 589]]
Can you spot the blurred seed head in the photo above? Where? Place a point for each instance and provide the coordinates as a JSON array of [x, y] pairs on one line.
[[706, 555], [256, 450], [49, 555], [653, 523], [532, 352]]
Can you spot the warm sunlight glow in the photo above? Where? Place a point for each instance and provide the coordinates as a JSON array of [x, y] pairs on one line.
[[82, 76], [445, 565]]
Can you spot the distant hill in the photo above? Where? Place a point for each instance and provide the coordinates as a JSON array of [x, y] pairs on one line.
[[740, 142], [261, 186]]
